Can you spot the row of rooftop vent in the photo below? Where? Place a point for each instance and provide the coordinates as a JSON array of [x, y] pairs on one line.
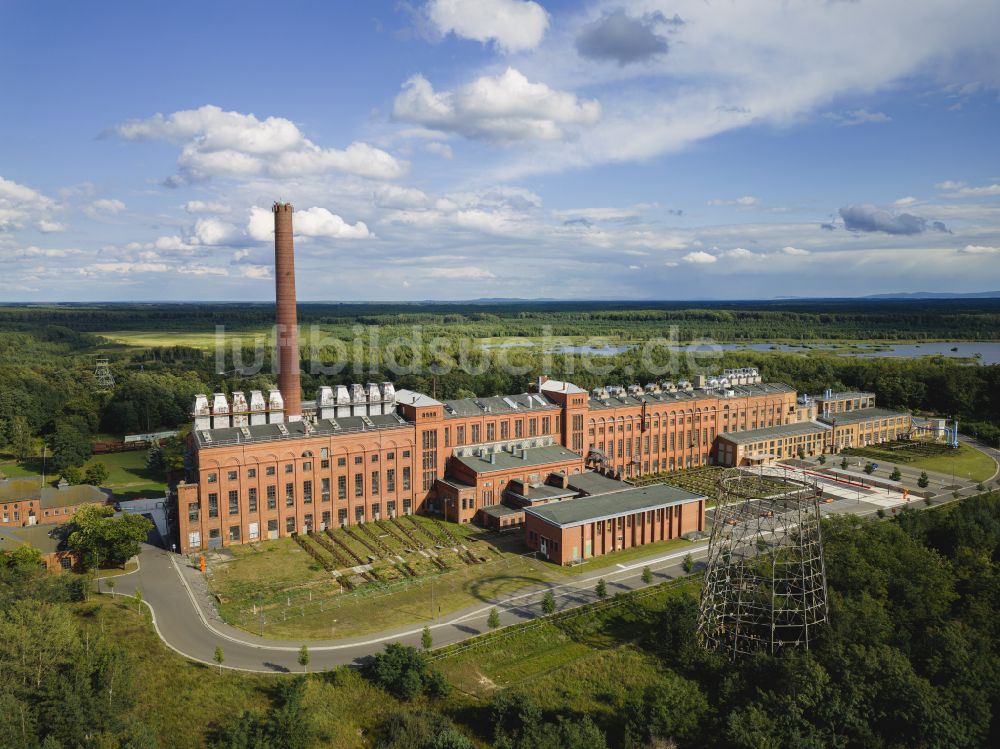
[[728, 379], [331, 402]]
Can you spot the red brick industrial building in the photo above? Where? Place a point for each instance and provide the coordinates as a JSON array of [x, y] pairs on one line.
[[269, 465]]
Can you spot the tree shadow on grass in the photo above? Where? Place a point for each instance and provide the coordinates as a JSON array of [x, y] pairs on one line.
[[511, 583]]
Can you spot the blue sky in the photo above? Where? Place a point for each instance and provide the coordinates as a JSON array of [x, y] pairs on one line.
[[454, 149]]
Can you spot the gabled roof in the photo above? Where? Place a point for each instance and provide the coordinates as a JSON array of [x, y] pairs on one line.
[[572, 512], [523, 403]]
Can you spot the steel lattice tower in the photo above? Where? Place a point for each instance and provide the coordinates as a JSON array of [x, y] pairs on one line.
[[765, 586], [102, 373]]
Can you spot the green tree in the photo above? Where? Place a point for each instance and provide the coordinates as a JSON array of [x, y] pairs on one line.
[[72, 475], [548, 603], [104, 539], [869, 468], [219, 658], [22, 556], [70, 445], [426, 639], [96, 474], [601, 589], [896, 474], [822, 459], [647, 575], [403, 672], [304, 657], [688, 564], [22, 441], [924, 480], [843, 464], [493, 620]]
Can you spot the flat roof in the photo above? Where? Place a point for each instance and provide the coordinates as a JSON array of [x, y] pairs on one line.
[[45, 538], [861, 414], [591, 482], [22, 490], [501, 511], [225, 436], [740, 391], [539, 492], [522, 403], [843, 395], [571, 512], [795, 429], [505, 461]]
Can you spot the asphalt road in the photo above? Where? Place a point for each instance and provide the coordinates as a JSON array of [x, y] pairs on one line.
[[186, 620]]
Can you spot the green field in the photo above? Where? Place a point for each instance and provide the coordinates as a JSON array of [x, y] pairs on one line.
[[128, 476], [965, 462], [280, 589], [203, 339]]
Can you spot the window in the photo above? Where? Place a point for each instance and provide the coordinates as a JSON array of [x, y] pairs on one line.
[[232, 475], [193, 508], [406, 507], [251, 473], [252, 498], [272, 497], [475, 433], [390, 456], [234, 502], [518, 428], [390, 507], [290, 525], [460, 435], [326, 519], [307, 465], [358, 460], [341, 487], [375, 458], [341, 462], [406, 478], [491, 432], [532, 427], [374, 482], [325, 490], [359, 484], [307, 523], [213, 505], [359, 514], [390, 480], [289, 467], [214, 533], [272, 525], [447, 436], [505, 430], [289, 495], [342, 517], [545, 425], [307, 492], [269, 471], [234, 533], [376, 511], [213, 478]]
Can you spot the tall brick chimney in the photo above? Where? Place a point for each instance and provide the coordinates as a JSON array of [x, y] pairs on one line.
[[287, 319]]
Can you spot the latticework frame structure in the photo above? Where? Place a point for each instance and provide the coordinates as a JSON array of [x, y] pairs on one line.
[[765, 586], [102, 374]]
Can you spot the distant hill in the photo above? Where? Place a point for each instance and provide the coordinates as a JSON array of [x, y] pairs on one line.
[[937, 295]]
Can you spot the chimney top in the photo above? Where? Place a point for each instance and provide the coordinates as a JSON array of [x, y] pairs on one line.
[[281, 207]]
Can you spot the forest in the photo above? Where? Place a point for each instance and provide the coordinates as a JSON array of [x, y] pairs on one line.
[[911, 658], [50, 395]]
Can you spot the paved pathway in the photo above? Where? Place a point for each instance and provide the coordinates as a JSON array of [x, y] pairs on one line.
[[187, 621]]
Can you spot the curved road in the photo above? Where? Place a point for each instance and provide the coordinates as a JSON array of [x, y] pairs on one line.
[[187, 622]]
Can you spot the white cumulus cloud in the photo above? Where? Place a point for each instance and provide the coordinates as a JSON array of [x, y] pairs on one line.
[[503, 107], [232, 144], [311, 222], [700, 258], [513, 25]]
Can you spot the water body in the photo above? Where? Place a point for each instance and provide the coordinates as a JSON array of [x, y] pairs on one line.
[[984, 353]]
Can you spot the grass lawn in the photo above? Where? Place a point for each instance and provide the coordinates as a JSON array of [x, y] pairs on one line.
[[184, 702], [277, 586], [623, 556], [130, 566], [128, 476], [967, 462]]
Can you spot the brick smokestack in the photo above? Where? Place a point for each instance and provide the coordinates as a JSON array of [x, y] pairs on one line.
[[287, 318]]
